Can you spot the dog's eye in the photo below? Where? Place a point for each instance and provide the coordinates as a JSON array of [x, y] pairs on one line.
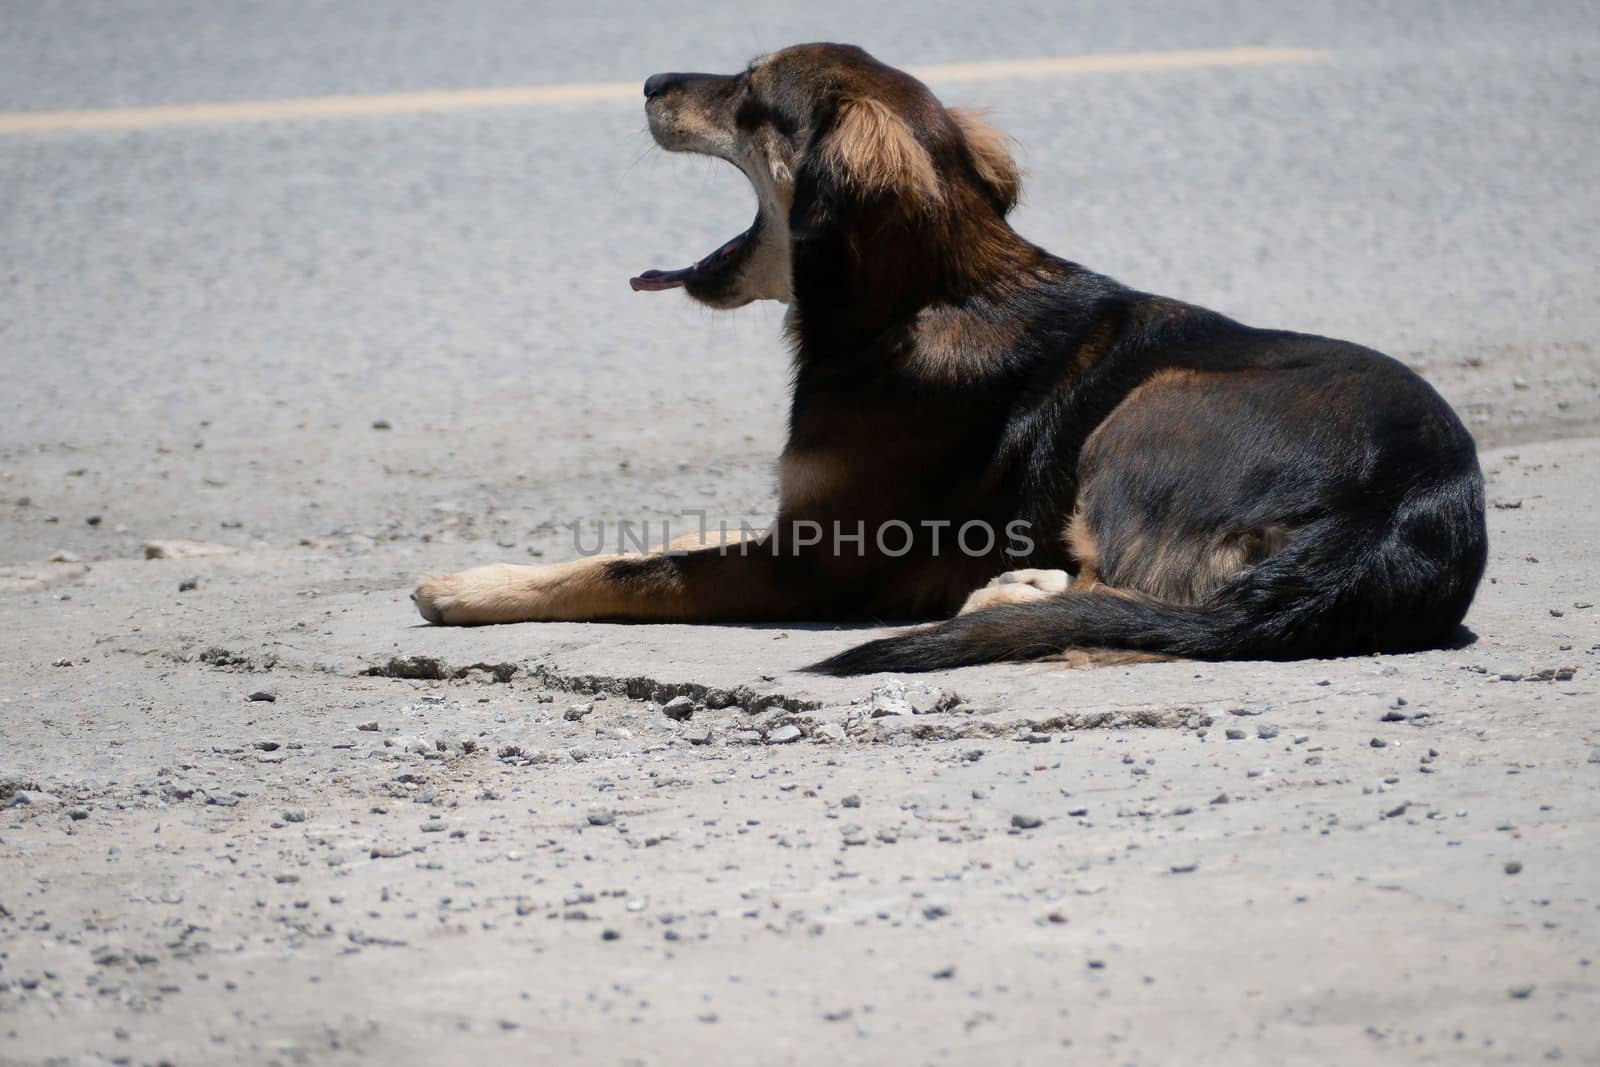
[[748, 111]]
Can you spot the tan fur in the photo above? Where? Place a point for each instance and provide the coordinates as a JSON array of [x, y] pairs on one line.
[[1018, 587], [1232, 555], [1162, 379], [877, 152], [1085, 550], [1000, 595], [1155, 560], [807, 478], [1169, 565], [953, 347], [710, 539], [1079, 658], [510, 592], [991, 155]]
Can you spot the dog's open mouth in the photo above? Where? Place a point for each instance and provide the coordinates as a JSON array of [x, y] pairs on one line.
[[724, 259]]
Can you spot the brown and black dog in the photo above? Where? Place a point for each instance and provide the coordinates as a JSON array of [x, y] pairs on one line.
[[1212, 490]]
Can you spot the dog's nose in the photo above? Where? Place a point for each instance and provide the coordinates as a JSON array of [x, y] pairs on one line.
[[657, 84]]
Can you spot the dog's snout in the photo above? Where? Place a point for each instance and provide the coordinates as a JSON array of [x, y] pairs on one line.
[[657, 84]]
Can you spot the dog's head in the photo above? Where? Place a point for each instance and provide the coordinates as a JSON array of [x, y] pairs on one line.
[[832, 140]]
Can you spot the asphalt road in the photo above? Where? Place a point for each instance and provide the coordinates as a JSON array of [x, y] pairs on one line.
[[203, 324], [271, 288]]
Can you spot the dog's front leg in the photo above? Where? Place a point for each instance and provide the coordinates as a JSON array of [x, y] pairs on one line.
[[724, 583]]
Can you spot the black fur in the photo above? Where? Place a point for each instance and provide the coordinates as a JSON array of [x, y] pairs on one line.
[[1218, 490]]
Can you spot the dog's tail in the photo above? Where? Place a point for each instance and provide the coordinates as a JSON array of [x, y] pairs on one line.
[[1397, 581]]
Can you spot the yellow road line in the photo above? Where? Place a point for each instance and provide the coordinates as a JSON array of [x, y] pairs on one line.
[[1112, 63], [319, 107]]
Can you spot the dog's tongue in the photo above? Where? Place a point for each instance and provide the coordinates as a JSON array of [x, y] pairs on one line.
[[652, 281], [655, 280]]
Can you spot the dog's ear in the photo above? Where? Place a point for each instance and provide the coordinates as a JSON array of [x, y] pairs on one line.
[[991, 157], [868, 151]]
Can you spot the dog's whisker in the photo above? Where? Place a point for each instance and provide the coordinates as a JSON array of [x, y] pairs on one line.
[[629, 168]]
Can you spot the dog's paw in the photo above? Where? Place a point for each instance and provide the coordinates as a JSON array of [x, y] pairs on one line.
[[1042, 580], [433, 595], [1017, 587], [500, 592], [467, 598]]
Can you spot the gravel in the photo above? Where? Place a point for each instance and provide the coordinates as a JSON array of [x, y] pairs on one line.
[[329, 251]]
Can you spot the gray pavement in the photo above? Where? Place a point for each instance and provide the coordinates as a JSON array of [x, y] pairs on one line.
[[271, 289], [199, 327]]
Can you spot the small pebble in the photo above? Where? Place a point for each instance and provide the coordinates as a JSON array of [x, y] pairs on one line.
[[264, 695], [1513, 866], [1026, 822]]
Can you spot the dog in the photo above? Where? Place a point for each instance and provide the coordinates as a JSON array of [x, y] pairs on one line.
[[1172, 481]]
